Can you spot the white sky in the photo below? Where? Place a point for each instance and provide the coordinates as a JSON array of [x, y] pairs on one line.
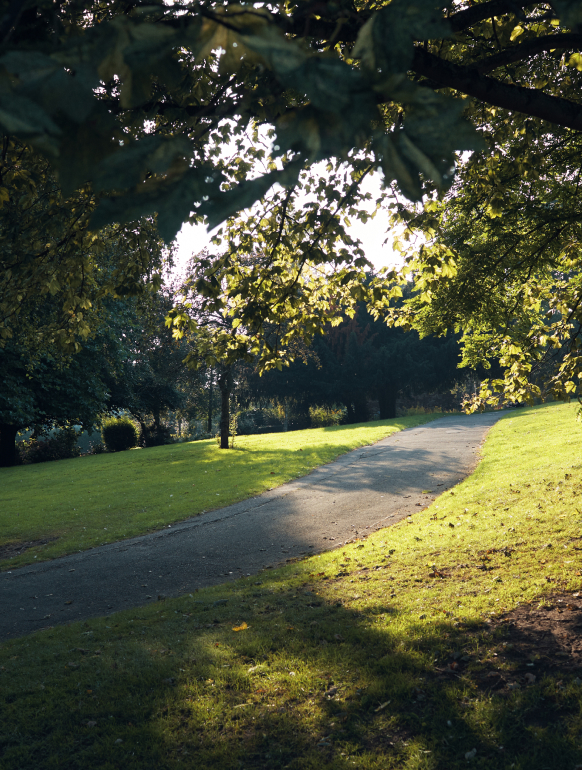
[[193, 238]]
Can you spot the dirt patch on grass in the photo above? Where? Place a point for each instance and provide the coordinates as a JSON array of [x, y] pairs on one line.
[[10, 550], [524, 646], [549, 636]]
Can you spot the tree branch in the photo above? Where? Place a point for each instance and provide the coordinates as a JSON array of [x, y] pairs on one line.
[[476, 13], [469, 81], [529, 48]]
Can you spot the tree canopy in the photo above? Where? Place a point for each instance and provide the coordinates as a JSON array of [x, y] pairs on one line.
[[191, 111]]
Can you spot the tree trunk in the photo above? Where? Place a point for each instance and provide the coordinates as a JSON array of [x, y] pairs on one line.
[[210, 404], [8, 445], [387, 403], [225, 384], [351, 418]]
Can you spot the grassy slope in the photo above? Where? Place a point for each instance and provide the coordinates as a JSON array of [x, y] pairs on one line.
[[100, 499], [343, 659]]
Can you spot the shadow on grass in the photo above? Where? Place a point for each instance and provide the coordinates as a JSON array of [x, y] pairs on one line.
[[310, 684]]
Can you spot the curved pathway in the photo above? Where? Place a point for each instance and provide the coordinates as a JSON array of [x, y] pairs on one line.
[[362, 491]]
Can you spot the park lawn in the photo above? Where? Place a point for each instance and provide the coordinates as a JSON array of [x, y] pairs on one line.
[[72, 505], [391, 652]]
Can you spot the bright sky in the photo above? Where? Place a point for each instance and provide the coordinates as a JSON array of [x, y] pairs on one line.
[[193, 238]]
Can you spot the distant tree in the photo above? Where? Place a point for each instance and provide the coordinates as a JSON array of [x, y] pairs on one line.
[[55, 391]]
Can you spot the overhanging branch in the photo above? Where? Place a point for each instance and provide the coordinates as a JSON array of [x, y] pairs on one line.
[[523, 51], [469, 81]]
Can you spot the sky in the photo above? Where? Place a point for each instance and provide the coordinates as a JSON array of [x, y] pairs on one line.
[[193, 238]]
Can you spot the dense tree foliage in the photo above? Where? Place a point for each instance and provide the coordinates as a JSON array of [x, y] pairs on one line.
[[49, 393], [54, 272], [356, 363], [500, 262]]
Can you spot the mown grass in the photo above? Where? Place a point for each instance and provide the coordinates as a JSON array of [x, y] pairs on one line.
[[369, 656], [88, 501]]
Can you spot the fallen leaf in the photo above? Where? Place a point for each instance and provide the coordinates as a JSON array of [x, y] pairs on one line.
[[91, 723], [242, 627], [530, 678]]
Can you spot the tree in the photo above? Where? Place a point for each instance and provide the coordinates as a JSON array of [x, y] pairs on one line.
[[54, 272], [153, 379], [500, 262], [53, 392], [140, 100], [361, 360]]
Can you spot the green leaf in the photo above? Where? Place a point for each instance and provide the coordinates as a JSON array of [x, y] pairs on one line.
[[22, 117], [386, 41], [128, 166], [225, 204], [173, 200]]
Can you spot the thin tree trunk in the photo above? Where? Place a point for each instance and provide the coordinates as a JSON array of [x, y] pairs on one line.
[[8, 445], [225, 385], [210, 404]]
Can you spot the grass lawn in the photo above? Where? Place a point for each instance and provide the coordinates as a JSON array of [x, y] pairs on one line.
[[76, 504], [422, 647]]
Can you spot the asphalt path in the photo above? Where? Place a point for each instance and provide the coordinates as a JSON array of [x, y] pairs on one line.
[[367, 489]]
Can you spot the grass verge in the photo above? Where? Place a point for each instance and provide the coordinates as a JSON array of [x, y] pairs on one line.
[[50, 509], [415, 649]]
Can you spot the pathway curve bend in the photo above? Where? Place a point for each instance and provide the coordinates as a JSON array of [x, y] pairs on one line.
[[360, 492]]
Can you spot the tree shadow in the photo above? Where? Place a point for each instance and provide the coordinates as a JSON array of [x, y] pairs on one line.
[[310, 683]]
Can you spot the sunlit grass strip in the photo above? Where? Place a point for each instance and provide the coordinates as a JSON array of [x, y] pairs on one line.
[[341, 662], [88, 501]]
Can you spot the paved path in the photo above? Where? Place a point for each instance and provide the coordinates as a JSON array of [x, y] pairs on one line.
[[362, 491]]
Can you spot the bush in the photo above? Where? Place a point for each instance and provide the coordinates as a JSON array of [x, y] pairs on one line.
[[152, 436], [61, 446], [119, 433], [322, 417], [253, 421]]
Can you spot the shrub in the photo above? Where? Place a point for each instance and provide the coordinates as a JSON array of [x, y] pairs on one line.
[[152, 436], [119, 433], [322, 417], [61, 446]]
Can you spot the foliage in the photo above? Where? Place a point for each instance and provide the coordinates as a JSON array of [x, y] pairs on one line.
[[358, 361], [153, 379], [119, 433], [148, 489], [60, 446], [223, 51], [201, 111], [51, 391], [61, 341], [324, 417], [501, 264], [55, 273], [382, 664]]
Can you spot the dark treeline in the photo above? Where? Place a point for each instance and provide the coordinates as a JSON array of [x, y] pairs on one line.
[[355, 372]]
